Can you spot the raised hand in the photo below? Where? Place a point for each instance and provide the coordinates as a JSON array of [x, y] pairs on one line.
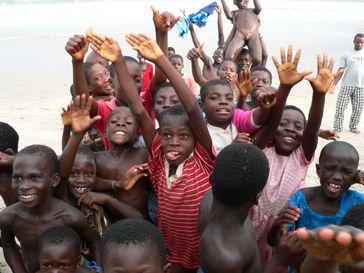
[[165, 21], [77, 47], [288, 215], [324, 78], [146, 46], [244, 83], [80, 114], [132, 176], [344, 245], [266, 97], [329, 134], [287, 70], [195, 53], [66, 116], [106, 47]]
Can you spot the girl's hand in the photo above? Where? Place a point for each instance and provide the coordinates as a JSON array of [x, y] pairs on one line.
[[146, 46], [267, 97], [324, 78], [132, 176], [287, 70], [242, 138], [106, 47], [77, 47], [244, 83], [288, 215], [80, 114], [89, 198]]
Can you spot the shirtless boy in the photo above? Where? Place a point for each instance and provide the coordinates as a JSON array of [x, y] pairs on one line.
[[35, 173], [228, 241], [246, 24]]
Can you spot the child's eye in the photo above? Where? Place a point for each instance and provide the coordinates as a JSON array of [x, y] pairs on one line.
[[175, 102], [35, 178], [17, 178], [283, 124], [74, 174], [129, 123], [183, 137], [113, 121], [46, 265], [89, 174], [167, 136], [230, 98], [98, 78], [299, 127], [64, 265]]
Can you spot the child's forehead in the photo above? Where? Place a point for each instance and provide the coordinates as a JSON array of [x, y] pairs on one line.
[[121, 112], [228, 64], [166, 91], [174, 122], [219, 89]]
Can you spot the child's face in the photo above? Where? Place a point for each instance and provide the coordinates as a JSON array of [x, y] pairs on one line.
[[135, 73], [218, 56], [289, 132], [140, 258], [228, 72], [241, 4], [358, 43], [177, 64], [177, 139], [219, 105], [54, 258], [243, 61], [32, 179], [166, 97], [263, 81], [337, 171], [83, 175], [95, 136], [122, 127], [100, 81], [171, 53]]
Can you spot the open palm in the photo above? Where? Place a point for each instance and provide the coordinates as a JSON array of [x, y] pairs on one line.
[[106, 47], [146, 46]]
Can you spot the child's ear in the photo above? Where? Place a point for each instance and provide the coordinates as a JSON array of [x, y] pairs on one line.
[[256, 199], [318, 169], [56, 178], [167, 268]]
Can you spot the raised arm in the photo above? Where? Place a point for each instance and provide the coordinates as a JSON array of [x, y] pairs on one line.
[[77, 47], [227, 11], [79, 114], [220, 28], [204, 57], [150, 50], [320, 85], [257, 7], [288, 77], [163, 23], [193, 55], [109, 49]]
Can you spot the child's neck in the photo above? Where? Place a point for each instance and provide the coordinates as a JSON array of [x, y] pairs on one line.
[[223, 125], [42, 208], [119, 150], [233, 217], [323, 205]]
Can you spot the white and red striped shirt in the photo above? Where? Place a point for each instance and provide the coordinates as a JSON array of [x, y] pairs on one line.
[[179, 201]]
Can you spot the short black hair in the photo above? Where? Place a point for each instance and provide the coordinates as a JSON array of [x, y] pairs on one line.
[[206, 86], [240, 173], [42, 150], [295, 108], [9, 138], [130, 59], [86, 150], [159, 87], [354, 217], [175, 56], [175, 111], [358, 36], [86, 68], [136, 232], [60, 235], [170, 48], [345, 147], [262, 68], [228, 61], [118, 110]]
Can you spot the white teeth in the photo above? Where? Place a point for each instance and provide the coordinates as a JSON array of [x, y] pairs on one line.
[[120, 133], [80, 189], [27, 196], [335, 186], [288, 139]]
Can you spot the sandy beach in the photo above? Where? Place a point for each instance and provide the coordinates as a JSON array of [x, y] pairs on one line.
[[36, 70]]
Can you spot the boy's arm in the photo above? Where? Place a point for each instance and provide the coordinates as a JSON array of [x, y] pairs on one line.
[[288, 76], [109, 49], [77, 47], [163, 23], [194, 55], [220, 28], [11, 252], [227, 11], [205, 59], [267, 97], [320, 85], [257, 7], [79, 112], [150, 50]]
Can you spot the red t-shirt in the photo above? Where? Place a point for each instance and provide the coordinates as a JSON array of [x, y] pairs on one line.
[[179, 201], [147, 77]]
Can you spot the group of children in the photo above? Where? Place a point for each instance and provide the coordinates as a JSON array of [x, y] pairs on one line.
[[221, 178]]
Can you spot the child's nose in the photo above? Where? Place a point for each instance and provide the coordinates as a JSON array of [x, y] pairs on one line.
[[175, 141]]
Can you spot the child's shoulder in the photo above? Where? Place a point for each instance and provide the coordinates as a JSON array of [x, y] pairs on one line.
[[308, 193], [354, 196], [10, 213], [64, 210]]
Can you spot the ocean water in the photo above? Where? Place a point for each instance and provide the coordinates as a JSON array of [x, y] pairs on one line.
[[45, 18]]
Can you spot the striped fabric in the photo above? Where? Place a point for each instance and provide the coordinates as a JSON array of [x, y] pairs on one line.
[[179, 201]]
